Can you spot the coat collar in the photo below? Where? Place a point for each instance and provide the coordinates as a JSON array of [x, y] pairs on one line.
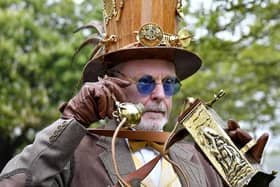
[[184, 155], [123, 158]]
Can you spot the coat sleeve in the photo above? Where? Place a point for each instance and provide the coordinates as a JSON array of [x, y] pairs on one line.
[[46, 162]]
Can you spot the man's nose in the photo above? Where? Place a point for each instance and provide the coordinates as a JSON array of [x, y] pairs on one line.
[[158, 92]]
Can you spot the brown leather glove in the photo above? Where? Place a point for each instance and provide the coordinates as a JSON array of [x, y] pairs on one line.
[[241, 137], [95, 100]]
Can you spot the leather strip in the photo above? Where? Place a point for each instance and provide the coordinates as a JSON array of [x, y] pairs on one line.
[[159, 137], [141, 173]]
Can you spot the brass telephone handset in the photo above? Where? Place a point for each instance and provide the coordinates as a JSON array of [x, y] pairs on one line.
[[128, 115]]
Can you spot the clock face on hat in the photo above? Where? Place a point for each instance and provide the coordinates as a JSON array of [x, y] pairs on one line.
[[150, 35]]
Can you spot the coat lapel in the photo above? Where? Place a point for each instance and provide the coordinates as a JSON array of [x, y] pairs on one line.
[[180, 154], [123, 158], [194, 171]]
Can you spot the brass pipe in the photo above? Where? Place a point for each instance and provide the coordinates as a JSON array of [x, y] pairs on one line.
[[115, 164]]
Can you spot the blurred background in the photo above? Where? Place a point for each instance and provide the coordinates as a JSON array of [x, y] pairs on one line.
[[238, 40]]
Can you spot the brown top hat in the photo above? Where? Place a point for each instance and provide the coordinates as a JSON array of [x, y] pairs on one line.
[[140, 29]]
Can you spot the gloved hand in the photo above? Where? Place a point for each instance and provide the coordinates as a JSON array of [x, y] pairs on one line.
[[95, 100], [241, 137]]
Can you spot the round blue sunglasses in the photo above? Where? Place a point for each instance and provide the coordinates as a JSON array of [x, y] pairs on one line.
[[146, 84]]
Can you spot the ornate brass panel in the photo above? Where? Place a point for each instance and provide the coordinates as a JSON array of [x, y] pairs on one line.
[[205, 126], [109, 10], [218, 147]]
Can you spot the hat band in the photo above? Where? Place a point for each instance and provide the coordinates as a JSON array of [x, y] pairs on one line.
[[149, 35]]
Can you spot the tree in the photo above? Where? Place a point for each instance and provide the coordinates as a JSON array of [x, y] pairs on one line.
[[239, 44], [37, 72]]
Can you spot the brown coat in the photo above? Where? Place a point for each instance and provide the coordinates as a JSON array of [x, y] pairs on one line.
[[96, 169], [63, 154]]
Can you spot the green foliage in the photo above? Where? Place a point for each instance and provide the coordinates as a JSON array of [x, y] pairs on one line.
[[37, 72], [240, 52]]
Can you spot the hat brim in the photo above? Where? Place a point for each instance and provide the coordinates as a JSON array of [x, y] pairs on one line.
[[186, 63]]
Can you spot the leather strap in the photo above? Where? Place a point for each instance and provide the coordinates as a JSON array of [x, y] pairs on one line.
[[159, 137], [140, 174]]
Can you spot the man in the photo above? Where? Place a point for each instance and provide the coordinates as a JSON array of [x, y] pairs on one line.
[[143, 67]]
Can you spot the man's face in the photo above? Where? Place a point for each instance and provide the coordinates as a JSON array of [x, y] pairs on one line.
[[157, 104]]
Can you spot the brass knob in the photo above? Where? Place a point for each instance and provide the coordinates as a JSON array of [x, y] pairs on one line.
[[216, 98], [132, 113]]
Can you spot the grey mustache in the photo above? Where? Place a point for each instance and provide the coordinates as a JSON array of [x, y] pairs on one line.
[[159, 108]]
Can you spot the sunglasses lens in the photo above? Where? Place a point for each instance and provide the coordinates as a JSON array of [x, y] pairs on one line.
[[171, 86], [146, 84]]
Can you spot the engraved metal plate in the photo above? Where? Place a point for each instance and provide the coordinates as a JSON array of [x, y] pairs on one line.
[[179, 9], [218, 147], [109, 10], [150, 34]]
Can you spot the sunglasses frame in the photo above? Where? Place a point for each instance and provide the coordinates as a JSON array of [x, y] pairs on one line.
[[116, 73]]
